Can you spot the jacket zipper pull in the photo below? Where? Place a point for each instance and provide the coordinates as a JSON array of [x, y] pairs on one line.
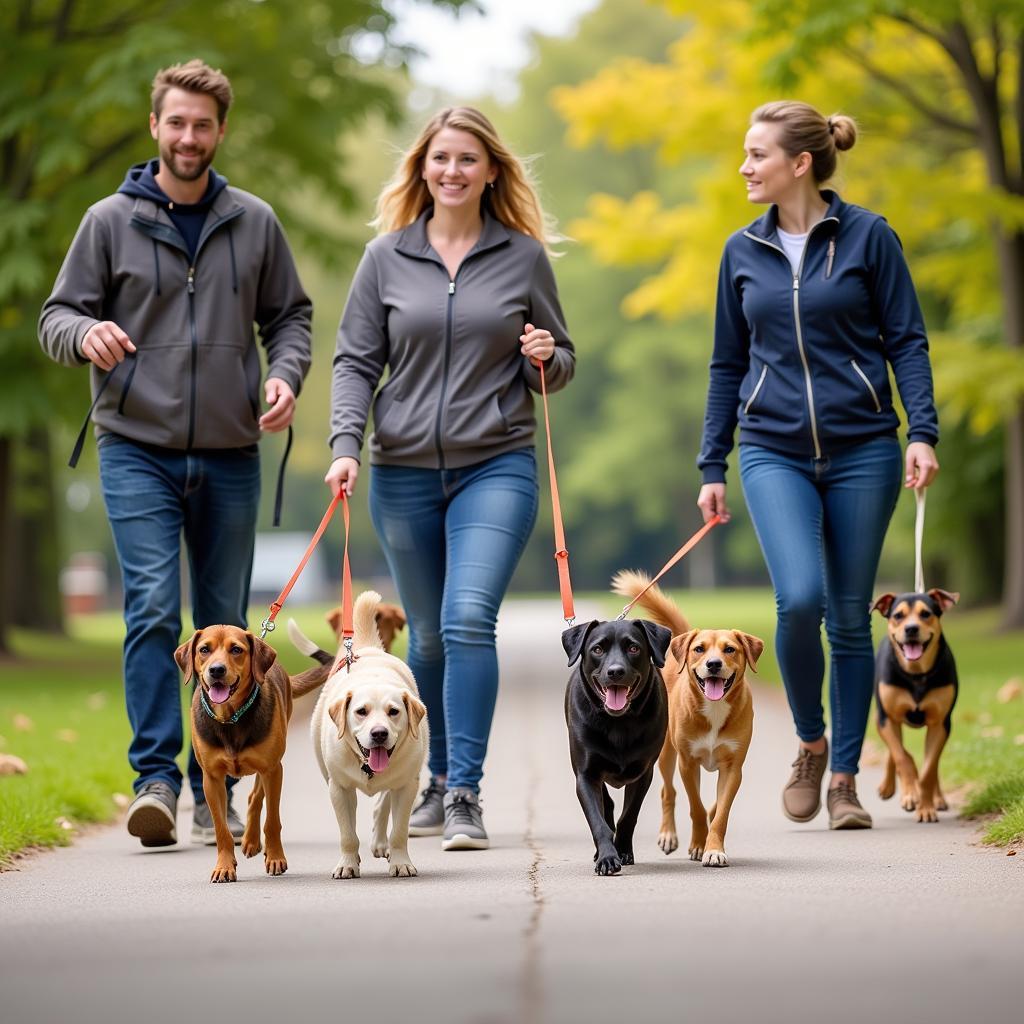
[[831, 257], [451, 287], [191, 280], [796, 283]]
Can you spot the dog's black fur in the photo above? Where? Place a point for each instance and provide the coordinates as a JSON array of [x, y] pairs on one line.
[[615, 748]]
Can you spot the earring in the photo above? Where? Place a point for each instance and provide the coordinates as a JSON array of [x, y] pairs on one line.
[[491, 183]]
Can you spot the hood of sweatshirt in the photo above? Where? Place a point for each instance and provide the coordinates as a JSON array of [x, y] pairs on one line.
[[140, 181]]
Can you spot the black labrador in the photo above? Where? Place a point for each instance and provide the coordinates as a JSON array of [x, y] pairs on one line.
[[616, 709]]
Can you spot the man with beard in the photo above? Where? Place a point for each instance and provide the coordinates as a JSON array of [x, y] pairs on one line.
[[160, 292]]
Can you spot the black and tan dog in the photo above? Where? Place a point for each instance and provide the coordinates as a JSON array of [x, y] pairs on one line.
[[916, 685], [240, 712], [617, 713]]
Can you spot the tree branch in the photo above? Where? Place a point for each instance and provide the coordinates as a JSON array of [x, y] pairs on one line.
[[903, 89], [62, 20]]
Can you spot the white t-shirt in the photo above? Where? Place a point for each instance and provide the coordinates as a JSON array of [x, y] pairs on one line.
[[794, 246]]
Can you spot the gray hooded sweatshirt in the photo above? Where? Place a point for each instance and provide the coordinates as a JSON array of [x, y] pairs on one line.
[[458, 391], [195, 380]]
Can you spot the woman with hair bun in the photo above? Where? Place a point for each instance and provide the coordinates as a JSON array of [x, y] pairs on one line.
[[456, 298], [815, 303]]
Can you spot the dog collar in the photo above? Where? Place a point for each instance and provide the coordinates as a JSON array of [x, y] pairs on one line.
[[238, 714]]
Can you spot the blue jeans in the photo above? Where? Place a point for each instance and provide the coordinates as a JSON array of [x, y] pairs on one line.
[[821, 524], [152, 495], [452, 539]]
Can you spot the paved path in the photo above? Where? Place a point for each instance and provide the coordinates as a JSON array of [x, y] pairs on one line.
[[904, 923]]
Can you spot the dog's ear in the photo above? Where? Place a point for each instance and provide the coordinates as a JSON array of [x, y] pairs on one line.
[[185, 656], [339, 712], [574, 637], [883, 605], [416, 711], [334, 621], [262, 656], [658, 638], [943, 598], [398, 616], [752, 646], [680, 647]]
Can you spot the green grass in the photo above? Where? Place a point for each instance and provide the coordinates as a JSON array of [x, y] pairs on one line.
[[70, 689]]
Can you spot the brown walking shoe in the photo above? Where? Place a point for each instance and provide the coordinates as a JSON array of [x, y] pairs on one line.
[[801, 799], [844, 809]]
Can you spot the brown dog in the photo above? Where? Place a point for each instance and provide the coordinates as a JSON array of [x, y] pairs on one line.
[[240, 712], [390, 619], [915, 684], [710, 718]]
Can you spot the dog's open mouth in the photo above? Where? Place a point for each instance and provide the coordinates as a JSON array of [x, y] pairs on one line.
[[913, 650], [378, 757], [219, 691], [715, 687], [615, 697]]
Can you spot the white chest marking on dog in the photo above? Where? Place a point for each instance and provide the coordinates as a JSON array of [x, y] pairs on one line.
[[703, 749]]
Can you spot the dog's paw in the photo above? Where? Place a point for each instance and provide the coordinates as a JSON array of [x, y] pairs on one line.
[[926, 813], [696, 852], [250, 847], [402, 869], [940, 803], [346, 869], [715, 859], [626, 856], [908, 801], [668, 842], [381, 851], [609, 865], [276, 865], [224, 872], [886, 790]]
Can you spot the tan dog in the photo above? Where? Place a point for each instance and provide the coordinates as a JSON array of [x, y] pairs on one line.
[[915, 684], [370, 734], [240, 712], [710, 718], [390, 619]]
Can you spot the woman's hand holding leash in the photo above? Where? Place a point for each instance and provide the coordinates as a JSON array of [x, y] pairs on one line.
[[711, 502], [921, 464], [537, 344], [342, 476]]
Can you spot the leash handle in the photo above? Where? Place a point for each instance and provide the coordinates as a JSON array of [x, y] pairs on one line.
[[268, 625], [687, 547], [561, 551], [347, 624], [919, 494]]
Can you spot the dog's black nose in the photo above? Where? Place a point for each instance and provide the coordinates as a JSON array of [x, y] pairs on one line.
[[217, 670], [615, 672], [378, 735], [911, 630], [713, 665]]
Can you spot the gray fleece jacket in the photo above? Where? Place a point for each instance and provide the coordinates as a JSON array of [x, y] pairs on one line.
[[458, 391], [195, 380]]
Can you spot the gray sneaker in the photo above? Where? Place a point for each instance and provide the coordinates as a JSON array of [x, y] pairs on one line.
[[427, 818], [202, 825], [152, 816], [463, 822]]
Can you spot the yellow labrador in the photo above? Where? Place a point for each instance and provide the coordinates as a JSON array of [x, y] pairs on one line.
[[370, 734]]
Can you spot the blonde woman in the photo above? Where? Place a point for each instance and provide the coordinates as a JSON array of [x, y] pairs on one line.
[[815, 304], [456, 298]]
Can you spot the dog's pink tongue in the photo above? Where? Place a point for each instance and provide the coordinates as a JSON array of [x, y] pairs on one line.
[[714, 688], [219, 692], [615, 697], [379, 758], [913, 651]]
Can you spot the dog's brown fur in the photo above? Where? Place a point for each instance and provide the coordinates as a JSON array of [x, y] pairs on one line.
[[390, 619], [254, 744], [701, 732]]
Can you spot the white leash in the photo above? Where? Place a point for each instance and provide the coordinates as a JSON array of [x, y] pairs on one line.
[[919, 494]]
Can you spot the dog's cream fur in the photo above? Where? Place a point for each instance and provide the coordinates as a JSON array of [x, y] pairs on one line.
[[377, 692]]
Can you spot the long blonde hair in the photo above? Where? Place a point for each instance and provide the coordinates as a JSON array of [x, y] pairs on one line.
[[513, 200]]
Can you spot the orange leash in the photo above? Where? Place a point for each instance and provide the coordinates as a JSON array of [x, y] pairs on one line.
[[688, 546], [268, 624], [561, 552]]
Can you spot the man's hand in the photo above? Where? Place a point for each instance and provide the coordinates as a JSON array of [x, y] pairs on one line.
[[281, 400], [105, 345]]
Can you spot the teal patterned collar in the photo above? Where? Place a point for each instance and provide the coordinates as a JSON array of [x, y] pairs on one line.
[[238, 714]]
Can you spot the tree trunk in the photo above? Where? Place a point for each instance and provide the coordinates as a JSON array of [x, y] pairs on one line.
[[35, 555], [1010, 252]]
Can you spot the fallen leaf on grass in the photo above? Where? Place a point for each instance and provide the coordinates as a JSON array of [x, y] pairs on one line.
[[1010, 690], [11, 765], [1019, 739], [22, 722], [1011, 853], [985, 718], [67, 735], [65, 824], [96, 701], [992, 732], [120, 800]]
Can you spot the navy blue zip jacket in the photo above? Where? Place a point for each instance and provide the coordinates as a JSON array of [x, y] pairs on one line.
[[801, 360]]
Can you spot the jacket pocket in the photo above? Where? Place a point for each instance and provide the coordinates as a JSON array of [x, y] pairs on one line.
[[757, 389], [226, 408], [387, 417], [867, 383]]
